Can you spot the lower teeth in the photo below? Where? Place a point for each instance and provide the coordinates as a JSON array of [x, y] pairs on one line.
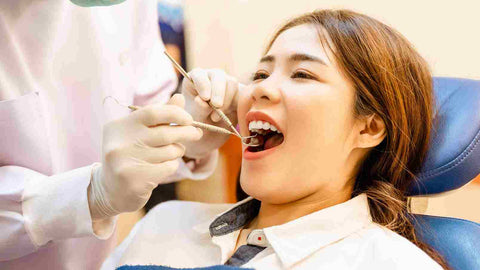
[[255, 141], [265, 142]]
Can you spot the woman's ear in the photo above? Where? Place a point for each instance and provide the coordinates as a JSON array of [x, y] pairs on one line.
[[372, 131]]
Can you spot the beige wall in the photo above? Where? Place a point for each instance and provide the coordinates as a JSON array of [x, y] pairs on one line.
[[231, 34]]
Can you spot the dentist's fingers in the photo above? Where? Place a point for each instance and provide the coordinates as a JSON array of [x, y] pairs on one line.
[[177, 100], [157, 114], [166, 134], [232, 90], [159, 154], [148, 176], [201, 86], [201, 109], [214, 86], [228, 104], [218, 83], [215, 117], [165, 168]]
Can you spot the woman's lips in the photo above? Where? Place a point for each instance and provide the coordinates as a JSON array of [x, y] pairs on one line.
[[249, 155], [258, 155], [260, 116]]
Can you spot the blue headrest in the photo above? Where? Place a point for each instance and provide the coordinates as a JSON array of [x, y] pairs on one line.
[[455, 239], [454, 156]]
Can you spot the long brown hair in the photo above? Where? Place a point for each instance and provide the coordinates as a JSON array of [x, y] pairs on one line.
[[393, 81]]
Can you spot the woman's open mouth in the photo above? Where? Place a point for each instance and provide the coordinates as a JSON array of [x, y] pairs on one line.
[[267, 136]]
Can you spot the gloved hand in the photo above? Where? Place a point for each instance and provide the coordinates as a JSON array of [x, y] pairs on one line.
[[222, 90], [139, 152]]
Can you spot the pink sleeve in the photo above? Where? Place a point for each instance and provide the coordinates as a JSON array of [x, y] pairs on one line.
[[36, 209], [158, 80], [155, 74]]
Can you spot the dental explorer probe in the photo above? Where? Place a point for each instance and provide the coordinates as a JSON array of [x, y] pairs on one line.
[[204, 126], [194, 123], [218, 111]]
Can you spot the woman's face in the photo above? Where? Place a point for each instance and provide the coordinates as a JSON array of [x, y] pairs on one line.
[[299, 89]]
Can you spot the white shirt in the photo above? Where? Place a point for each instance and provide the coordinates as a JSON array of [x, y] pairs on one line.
[[57, 63], [179, 235]]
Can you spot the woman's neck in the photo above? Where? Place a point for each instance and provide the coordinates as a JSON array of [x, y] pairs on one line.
[[277, 214]]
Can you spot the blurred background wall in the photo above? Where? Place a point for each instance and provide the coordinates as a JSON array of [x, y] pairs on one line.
[[232, 34]]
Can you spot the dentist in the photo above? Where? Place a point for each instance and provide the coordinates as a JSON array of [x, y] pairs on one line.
[[58, 62]]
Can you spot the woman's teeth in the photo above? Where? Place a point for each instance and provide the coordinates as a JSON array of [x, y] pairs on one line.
[[268, 136], [262, 127]]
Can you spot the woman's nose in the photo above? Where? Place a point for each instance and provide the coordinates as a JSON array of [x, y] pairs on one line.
[[266, 91]]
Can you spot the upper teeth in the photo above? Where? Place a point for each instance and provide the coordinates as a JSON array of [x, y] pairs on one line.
[[257, 126]]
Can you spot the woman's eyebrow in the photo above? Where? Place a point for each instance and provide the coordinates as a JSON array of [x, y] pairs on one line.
[[267, 58], [298, 57]]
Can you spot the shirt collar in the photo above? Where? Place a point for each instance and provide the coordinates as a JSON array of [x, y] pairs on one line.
[[223, 229], [233, 219], [297, 239]]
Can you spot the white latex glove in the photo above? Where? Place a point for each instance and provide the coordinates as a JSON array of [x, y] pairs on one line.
[[139, 152], [222, 90]]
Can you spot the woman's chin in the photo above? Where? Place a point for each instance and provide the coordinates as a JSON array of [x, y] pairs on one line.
[[262, 188]]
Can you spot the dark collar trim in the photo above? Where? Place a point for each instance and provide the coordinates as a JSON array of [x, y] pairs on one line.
[[234, 218]]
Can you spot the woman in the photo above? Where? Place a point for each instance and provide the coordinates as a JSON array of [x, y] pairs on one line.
[[342, 107]]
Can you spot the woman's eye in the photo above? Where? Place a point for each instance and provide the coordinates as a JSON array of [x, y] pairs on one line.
[[259, 76], [302, 75]]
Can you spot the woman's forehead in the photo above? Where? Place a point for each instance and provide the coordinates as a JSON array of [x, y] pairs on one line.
[[302, 39]]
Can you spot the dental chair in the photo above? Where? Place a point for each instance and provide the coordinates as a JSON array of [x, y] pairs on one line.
[[452, 161]]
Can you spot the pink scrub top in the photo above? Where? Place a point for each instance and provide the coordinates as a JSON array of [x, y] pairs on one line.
[[57, 63]]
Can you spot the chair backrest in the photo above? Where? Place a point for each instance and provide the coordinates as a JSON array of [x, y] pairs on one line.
[[452, 161], [457, 240]]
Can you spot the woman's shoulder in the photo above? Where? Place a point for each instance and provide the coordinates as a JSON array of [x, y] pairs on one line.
[[169, 225], [183, 213], [175, 205], [388, 245]]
